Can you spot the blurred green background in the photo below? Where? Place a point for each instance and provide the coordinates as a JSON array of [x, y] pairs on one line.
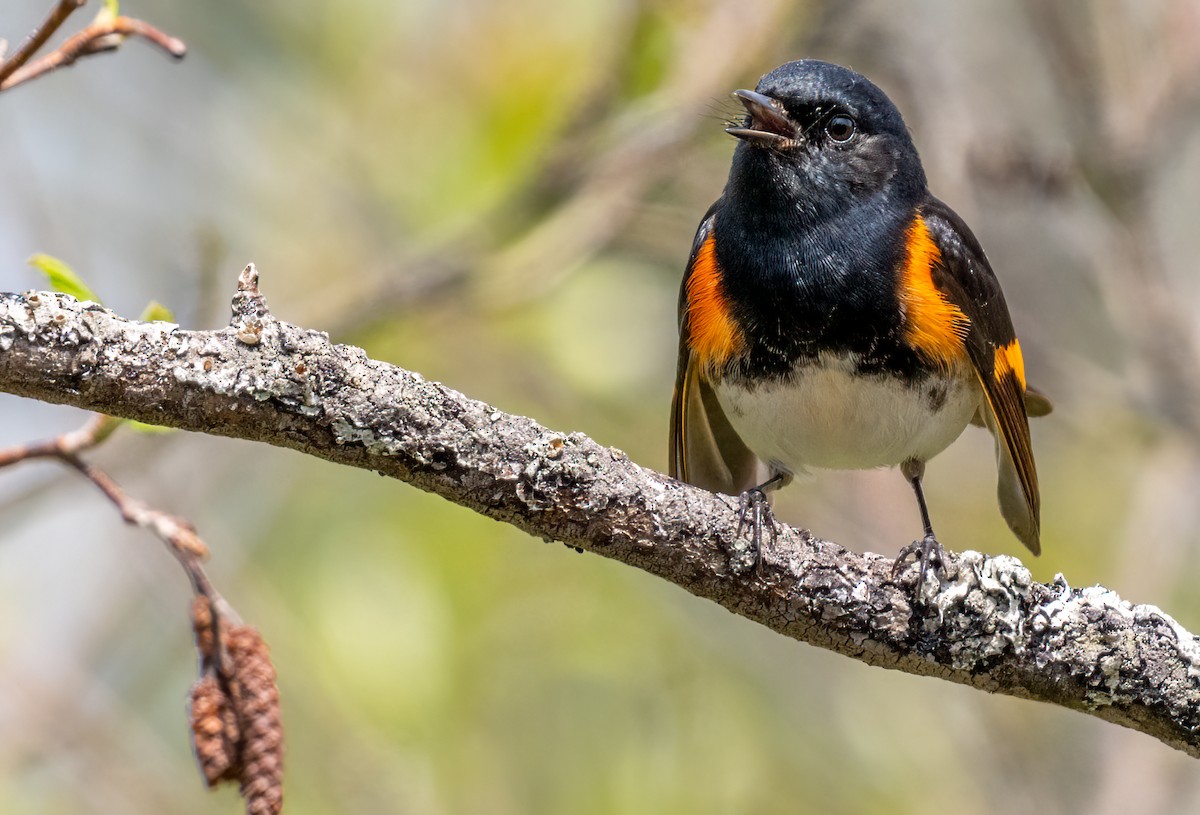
[[502, 196]]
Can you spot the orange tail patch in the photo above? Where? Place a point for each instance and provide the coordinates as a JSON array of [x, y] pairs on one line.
[[1008, 360], [713, 335], [933, 325]]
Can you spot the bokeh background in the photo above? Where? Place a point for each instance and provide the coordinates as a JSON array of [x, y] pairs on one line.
[[502, 196]]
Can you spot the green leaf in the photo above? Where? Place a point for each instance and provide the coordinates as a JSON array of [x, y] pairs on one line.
[[108, 426], [156, 312], [111, 423], [142, 427], [107, 13], [62, 278]]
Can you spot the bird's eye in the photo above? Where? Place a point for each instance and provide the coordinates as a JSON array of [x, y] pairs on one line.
[[840, 129]]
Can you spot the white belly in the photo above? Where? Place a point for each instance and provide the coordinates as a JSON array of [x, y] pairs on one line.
[[824, 417]]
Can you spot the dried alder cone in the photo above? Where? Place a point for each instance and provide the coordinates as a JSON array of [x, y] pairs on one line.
[[256, 702], [214, 731], [237, 730]]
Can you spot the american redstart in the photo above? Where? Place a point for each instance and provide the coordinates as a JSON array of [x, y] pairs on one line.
[[834, 314]]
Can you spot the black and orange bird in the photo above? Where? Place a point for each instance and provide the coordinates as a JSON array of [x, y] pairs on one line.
[[836, 315]]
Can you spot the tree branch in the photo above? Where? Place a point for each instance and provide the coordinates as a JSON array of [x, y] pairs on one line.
[[103, 35], [985, 624], [54, 20]]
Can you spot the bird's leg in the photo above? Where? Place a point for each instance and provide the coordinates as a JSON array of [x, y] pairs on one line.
[[928, 549], [754, 507]]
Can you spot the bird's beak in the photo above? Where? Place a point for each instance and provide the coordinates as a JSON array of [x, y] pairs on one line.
[[767, 125]]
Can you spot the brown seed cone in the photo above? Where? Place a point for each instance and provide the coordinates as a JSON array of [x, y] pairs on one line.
[[202, 625], [214, 731], [256, 700]]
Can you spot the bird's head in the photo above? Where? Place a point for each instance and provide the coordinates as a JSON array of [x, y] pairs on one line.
[[820, 130]]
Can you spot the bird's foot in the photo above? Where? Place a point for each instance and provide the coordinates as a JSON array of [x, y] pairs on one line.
[[754, 512], [925, 552]]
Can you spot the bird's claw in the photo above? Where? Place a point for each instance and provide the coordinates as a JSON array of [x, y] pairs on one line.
[[925, 551], [753, 510]]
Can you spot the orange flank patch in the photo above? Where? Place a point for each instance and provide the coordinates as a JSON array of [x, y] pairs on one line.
[[1009, 360], [933, 325], [713, 335]]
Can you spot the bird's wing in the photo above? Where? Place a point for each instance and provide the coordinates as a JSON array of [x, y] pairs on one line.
[[966, 279], [704, 449]]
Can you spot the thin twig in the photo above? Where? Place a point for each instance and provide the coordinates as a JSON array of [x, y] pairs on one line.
[[179, 535], [96, 38], [24, 452], [98, 428], [54, 20]]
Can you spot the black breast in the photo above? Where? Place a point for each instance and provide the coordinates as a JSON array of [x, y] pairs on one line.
[[800, 286]]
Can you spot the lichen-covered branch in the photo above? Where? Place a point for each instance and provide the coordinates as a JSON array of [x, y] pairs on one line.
[[984, 623]]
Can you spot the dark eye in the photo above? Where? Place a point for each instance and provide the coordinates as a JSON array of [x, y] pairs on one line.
[[840, 129]]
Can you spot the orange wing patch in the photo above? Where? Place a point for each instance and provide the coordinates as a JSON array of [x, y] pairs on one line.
[[933, 325], [1009, 360], [713, 335]]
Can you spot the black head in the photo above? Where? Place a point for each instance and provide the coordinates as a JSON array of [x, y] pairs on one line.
[[824, 135]]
